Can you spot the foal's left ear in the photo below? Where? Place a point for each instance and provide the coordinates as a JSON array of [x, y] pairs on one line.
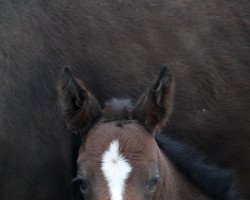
[[155, 106], [79, 105]]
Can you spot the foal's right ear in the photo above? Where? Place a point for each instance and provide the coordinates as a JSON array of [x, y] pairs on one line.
[[79, 105]]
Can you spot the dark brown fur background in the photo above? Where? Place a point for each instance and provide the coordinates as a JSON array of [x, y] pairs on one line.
[[117, 48]]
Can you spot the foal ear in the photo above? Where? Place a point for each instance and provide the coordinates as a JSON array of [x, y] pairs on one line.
[[155, 106], [79, 105]]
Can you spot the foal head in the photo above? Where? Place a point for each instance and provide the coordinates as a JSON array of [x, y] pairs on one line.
[[118, 158]]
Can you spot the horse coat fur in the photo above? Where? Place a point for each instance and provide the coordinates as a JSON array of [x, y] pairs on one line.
[[118, 48]]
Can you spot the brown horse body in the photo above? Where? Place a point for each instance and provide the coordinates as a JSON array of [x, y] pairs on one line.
[[117, 49]]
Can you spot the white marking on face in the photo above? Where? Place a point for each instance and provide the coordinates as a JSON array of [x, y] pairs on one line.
[[116, 170]]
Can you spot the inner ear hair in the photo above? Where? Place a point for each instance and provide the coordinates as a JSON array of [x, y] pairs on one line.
[[78, 104], [155, 106]]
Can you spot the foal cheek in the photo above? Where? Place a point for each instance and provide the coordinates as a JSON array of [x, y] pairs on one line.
[[102, 197], [134, 193], [134, 196]]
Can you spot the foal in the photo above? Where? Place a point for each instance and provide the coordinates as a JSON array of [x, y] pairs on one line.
[[119, 158]]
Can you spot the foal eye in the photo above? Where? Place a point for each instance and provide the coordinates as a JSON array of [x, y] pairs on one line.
[[152, 184], [82, 184]]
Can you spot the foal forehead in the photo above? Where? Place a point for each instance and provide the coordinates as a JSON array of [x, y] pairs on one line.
[[132, 138], [110, 131]]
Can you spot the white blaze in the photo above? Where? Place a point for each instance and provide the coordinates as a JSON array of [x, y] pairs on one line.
[[116, 170]]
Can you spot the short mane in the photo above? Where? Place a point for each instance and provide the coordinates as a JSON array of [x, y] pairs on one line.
[[215, 182], [118, 110]]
